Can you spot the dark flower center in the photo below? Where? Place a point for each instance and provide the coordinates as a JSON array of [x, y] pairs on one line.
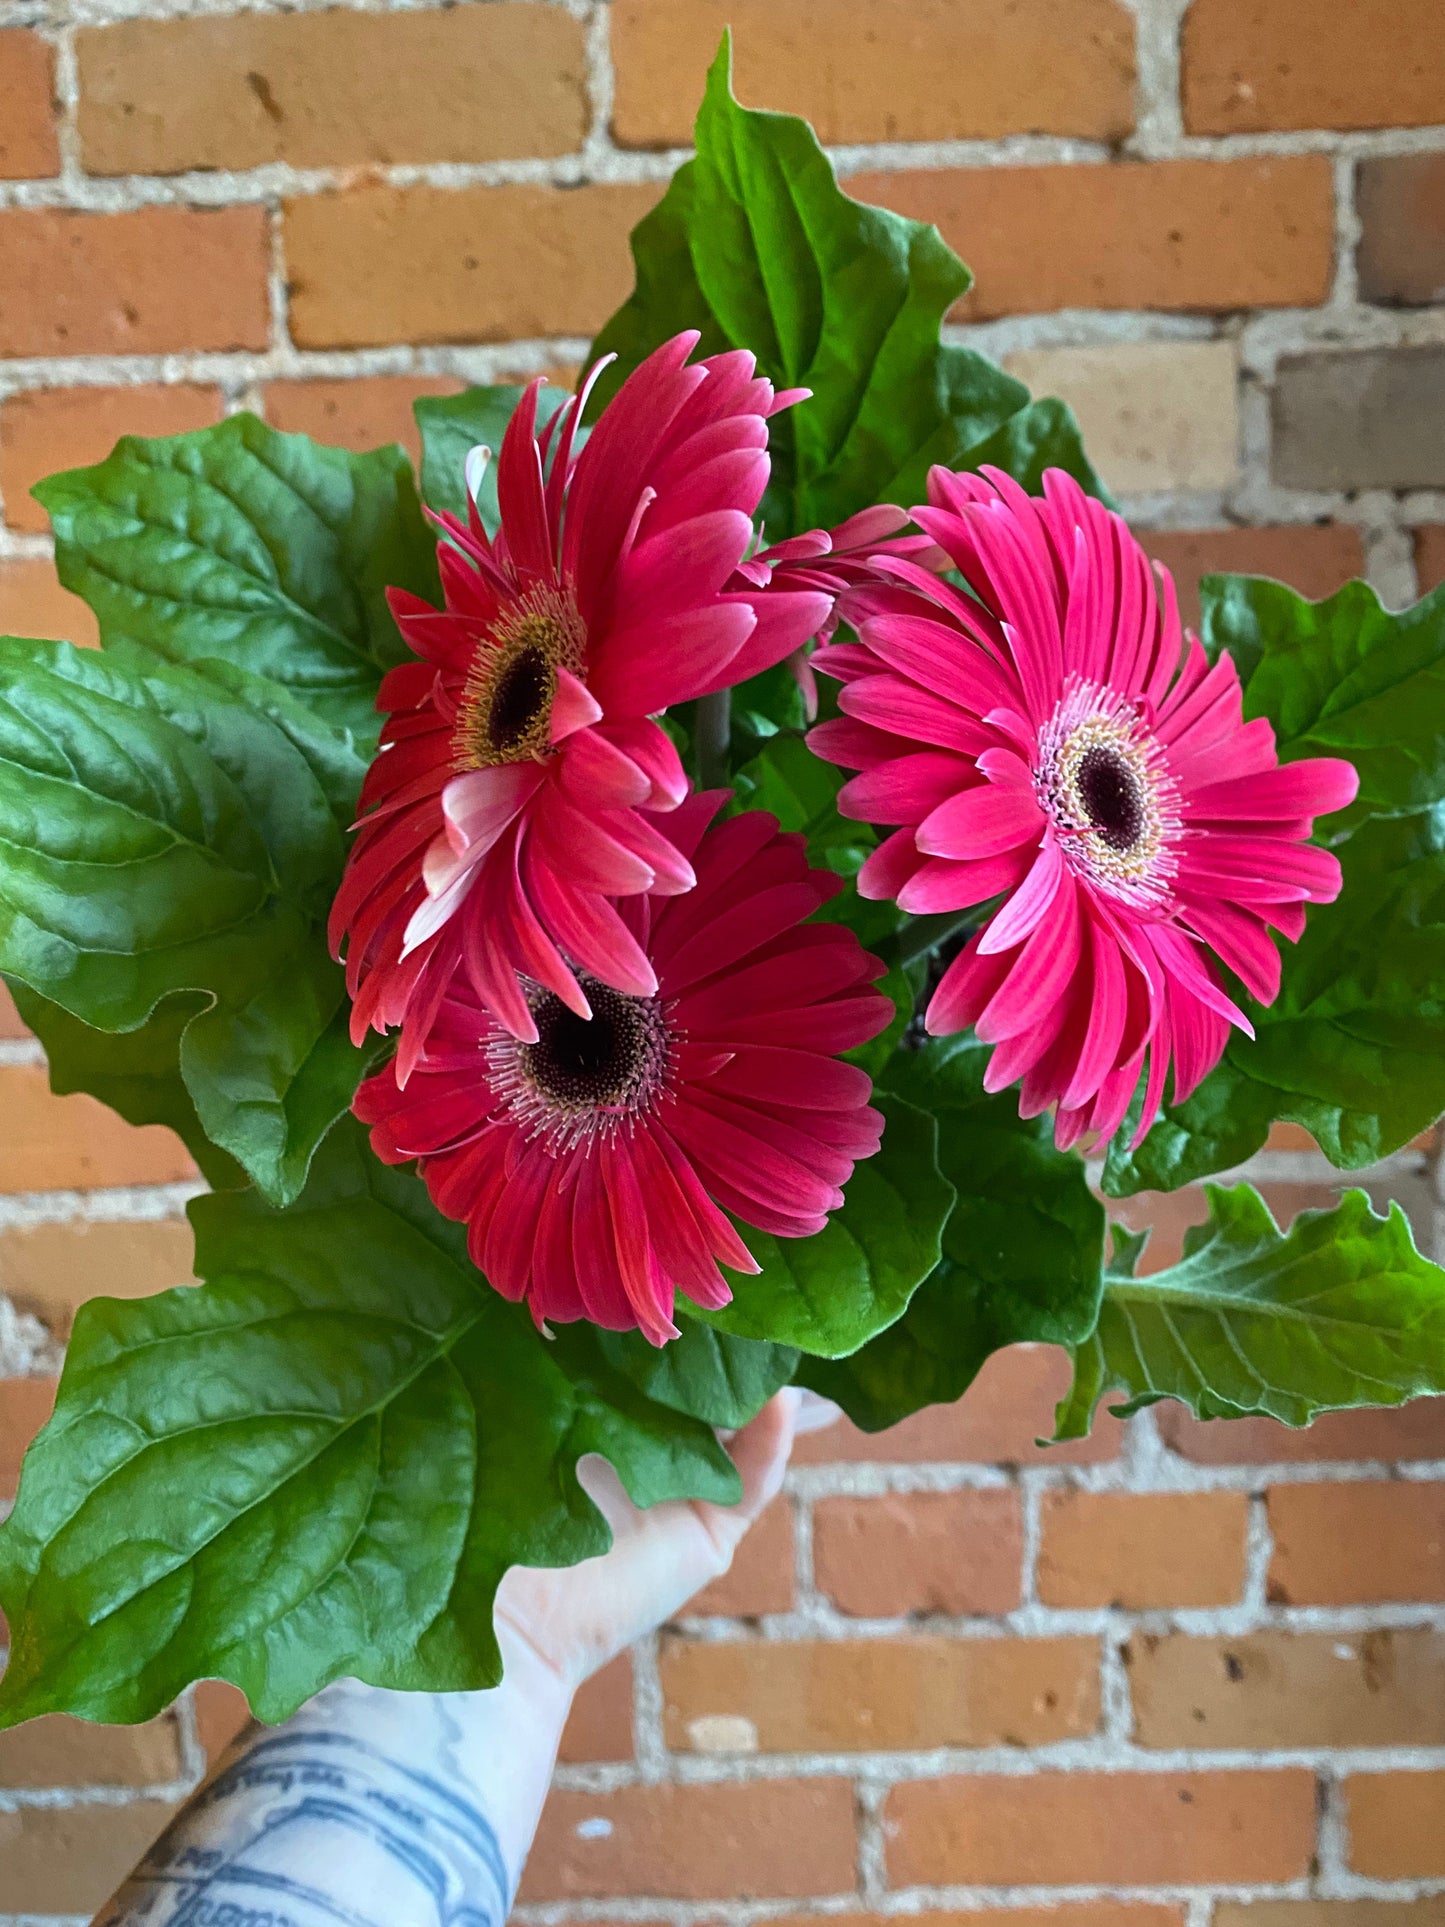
[[504, 713], [520, 697], [1110, 792], [610, 1061]]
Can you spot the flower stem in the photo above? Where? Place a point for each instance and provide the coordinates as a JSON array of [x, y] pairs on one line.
[[713, 735]]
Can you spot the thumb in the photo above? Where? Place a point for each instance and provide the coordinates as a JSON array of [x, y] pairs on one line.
[[760, 1452]]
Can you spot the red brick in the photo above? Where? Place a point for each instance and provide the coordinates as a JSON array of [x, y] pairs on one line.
[[51, 1269], [67, 1860], [25, 1405], [1368, 1539], [998, 1421], [32, 603], [10, 1024], [74, 1143], [1331, 1913], [222, 1712], [859, 73], [599, 1726], [1252, 66], [1401, 203], [28, 144], [1413, 1431], [333, 88], [731, 1842], [1313, 558], [882, 1695], [56, 1751], [920, 1552], [1430, 556], [367, 412], [1106, 1829], [383, 264], [154, 281], [1088, 1913], [1171, 235], [44, 430], [1396, 1825], [761, 1577], [1289, 1689], [1142, 1550]]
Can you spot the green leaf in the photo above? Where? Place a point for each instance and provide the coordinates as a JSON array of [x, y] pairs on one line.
[[801, 790], [320, 1462], [162, 837], [1339, 1311], [828, 1294], [757, 246], [1022, 1251], [1354, 1046], [258, 548], [1343, 677], [452, 426], [710, 1376]]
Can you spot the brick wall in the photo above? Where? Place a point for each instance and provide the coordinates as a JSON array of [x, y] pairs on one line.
[[1181, 1676]]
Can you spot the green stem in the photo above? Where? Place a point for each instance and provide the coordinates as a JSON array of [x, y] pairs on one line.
[[922, 934], [712, 725]]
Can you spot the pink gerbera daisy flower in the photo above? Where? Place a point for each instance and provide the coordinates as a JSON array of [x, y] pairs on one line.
[[512, 800], [597, 1163], [1054, 740]]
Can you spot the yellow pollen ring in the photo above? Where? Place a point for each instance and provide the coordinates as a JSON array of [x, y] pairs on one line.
[[505, 711]]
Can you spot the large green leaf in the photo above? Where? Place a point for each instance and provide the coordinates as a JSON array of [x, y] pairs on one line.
[[1022, 1251], [1342, 677], [828, 1294], [1339, 1311], [163, 837], [721, 1380], [259, 548], [757, 246], [452, 426], [320, 1462]]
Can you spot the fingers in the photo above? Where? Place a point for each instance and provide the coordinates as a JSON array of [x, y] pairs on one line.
[[760, 1452], [816, 1413]]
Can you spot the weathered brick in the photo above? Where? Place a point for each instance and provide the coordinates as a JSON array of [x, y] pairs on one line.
[[384, 264], [1086, 1913], [221, 1713], [1353, 421], [1396, 1824], [28, 144], [1107, 1829], [74, 1143], [45, 430], [1340, 1545], [1251, 66], [1192, 234], [56, 1751], [32, 603], [1413, 1431], [882, 1695], [1142, 1549], [1331, 1913], [599, 1726], [761, 1577], [861, 73], [1313, 558], [154, 281], [25, 1405], [1430, 556], [731, 1842], [998, 1421], [1167, 1215], [920, 1552], [1156, 415], [51, 1269], [1278, 1689], [1401, 203], [67, 1860], [367, 412], [333, 88], [10, 1024]]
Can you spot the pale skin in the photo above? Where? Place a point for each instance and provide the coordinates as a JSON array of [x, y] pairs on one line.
[[377, 1809]]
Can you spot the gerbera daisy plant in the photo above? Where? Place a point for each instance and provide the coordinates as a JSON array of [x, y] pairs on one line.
[[715, 884]]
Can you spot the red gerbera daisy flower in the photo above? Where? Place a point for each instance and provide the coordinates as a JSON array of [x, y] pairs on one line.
[[510, 803], [595, 1164], [1059, 743]]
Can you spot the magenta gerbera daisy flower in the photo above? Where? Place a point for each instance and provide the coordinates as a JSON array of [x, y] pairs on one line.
[[1054, 740], [596, 1165], [512, 800]]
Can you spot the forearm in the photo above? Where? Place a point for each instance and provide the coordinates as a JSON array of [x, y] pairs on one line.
[[370, 1809]]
